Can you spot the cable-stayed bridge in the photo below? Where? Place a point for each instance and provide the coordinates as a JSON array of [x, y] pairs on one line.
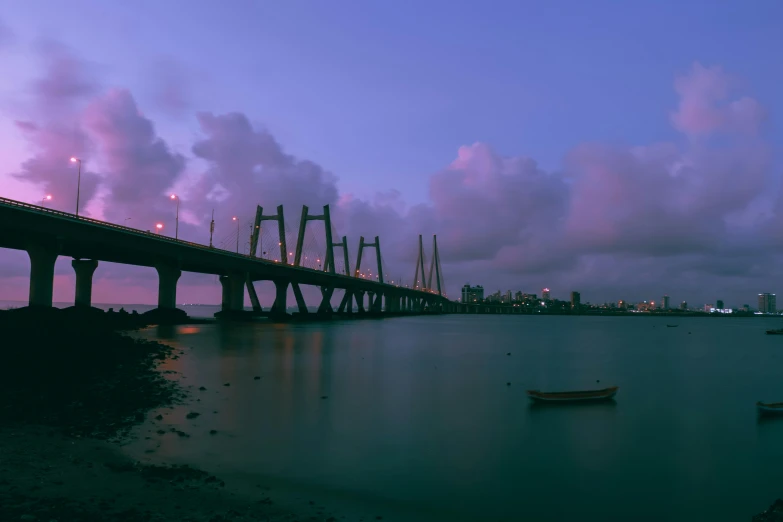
[[239, 260]]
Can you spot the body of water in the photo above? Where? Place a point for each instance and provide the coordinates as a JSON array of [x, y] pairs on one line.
[[426, 418]]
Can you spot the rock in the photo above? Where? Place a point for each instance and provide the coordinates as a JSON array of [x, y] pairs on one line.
[[257, 378], [159, 417], [192, 415], [324, 396], [202, 388], [161, 432], [212, 432], [508, 384], [773, 514], [27, 517], [509, 353], [227, 384]]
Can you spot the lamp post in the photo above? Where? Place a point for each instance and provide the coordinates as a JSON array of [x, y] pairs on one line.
[[235, 219], [46, 198], [176, 226], [74, 159], [159, 226]]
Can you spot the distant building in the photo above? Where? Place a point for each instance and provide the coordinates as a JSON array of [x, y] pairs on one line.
[[767, 304], [709, 308], [746, 308], [665, 302], [576, 300], [507, 297], [519, 296], [621, 304], [719, 304], [545, 294], [472, 294], [494, 298], [684, 305]]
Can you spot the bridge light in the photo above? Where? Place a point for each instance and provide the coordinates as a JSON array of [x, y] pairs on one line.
[[159, 226]]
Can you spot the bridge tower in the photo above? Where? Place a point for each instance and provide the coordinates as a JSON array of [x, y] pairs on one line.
[[326, 292], [375, 306], [420, 284], [435, 264]]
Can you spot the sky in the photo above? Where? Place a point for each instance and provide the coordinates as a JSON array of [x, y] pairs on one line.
[[623, 150]]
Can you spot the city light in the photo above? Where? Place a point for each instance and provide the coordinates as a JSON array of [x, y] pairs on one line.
[[46, 198], [159, 226]]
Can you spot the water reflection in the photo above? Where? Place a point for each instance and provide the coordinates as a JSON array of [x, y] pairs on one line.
[[417, 413]]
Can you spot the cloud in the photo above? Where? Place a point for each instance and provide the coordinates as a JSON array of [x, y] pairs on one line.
[[248, 167], [614, 221], [139, 166], [705, 106]]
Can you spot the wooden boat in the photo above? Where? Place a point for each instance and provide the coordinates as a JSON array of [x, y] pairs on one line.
[[775, 332], [769, 407], [587, 395]]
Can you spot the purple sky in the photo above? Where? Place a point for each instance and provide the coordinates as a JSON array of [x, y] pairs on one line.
[[625, 150]]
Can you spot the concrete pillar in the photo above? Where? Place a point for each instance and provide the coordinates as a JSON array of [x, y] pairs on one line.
[[281, 297], [233, 292], [359, 300], [167, 286], [84, 269], [42, 259]]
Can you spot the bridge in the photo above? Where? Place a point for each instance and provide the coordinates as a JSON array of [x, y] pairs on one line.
[[46, 234]]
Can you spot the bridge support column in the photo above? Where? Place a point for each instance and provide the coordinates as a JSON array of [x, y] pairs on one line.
[[281, 296], [167, 286], [233, 292], [359, 301], [42, 259], [346, 305], [326, 301], [388, 303], [300, 302], [84, 269]]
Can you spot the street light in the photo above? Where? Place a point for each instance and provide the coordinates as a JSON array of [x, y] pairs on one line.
[[74, 159], [176, 227], [159, 226], [46, 198], [235, 219]]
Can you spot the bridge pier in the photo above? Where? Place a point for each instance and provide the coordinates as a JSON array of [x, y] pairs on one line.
[[281, 296], [42, 259], [359, 301], [233, 292], [167, 286], [84, 269]]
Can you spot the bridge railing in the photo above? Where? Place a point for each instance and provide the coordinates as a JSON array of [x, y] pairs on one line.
[[152, 235]]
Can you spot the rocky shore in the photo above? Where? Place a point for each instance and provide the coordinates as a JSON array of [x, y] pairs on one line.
[[71, 386]]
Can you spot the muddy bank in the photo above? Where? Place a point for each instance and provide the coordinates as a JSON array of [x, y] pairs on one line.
[[70, 386]]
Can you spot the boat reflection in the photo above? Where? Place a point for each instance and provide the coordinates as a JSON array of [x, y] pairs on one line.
[[605, 405]]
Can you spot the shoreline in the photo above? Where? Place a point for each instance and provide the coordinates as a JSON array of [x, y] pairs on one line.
[[72, 389]]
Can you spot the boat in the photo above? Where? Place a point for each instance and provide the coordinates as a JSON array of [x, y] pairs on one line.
[[568, 396], [769, 407], [672, 325], [775, 332]]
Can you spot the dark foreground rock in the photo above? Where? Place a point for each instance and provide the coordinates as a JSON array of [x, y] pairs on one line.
[[773, 514], [73, 372], [68, 380]]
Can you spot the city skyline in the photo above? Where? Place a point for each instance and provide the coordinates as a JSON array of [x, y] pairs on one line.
[[537, 176]]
